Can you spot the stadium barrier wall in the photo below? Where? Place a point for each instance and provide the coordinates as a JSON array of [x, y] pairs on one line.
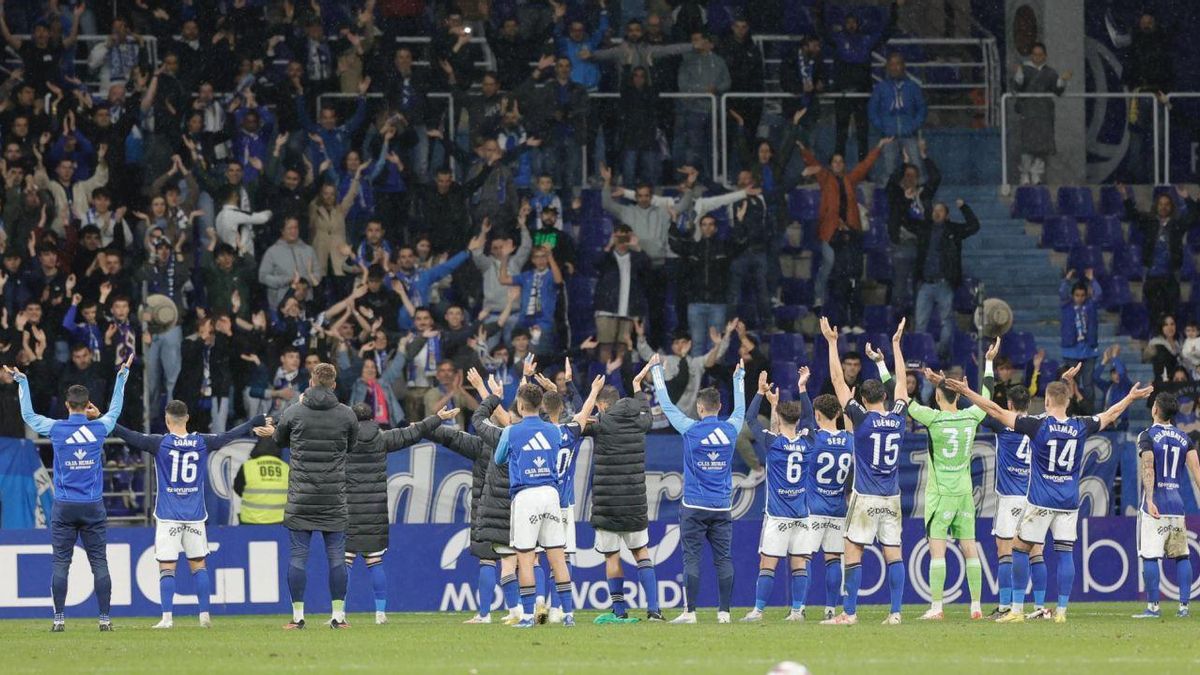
[[429, 569]]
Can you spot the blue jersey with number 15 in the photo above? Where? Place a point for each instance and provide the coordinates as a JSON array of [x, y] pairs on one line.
[[878, 438], [1055, 458]]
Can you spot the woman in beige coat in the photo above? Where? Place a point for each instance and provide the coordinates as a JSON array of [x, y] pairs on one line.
[[327, 221]]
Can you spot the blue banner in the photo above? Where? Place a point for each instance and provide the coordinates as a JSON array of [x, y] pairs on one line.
[[25, 493], [431, 570]]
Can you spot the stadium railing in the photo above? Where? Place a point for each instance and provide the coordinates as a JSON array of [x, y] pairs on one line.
[[1093, 97], [1174, 96], [81, 50], [666, 94], [143, 497], [375, 96]]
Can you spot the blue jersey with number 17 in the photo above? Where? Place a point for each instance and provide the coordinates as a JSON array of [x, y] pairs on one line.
[[878, 438], [1055, 458], [1169, 446]]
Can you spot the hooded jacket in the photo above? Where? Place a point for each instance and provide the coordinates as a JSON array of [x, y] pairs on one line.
[[619, 466], [319, 431]]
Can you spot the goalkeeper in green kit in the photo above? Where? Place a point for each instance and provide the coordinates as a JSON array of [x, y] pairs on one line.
[[949, 498]]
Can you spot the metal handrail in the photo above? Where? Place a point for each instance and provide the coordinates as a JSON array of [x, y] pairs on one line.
[[147, 493], [1006, 186], [450, 120], [668, 94], [150, 41]]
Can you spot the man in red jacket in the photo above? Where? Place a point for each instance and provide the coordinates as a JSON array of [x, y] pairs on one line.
[[839, 205]]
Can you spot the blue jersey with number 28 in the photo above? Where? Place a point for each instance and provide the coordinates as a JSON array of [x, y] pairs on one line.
[[1055, 459]]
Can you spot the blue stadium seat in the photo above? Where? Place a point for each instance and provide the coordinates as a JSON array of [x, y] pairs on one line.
[[1105, 232], [1127, 261], [1060, 233], [878, 319], [1116, 293], [879, 266], [876, 238], [786, 314], [1082, 258], [1049, 372], [963, 347], [964, 295], [1135, 321], [796, 291], [1111, 202], [879, 206], [1075, 201], [920, 347], [804, 205], [1032, 203], [788, 347], [1018, 346]]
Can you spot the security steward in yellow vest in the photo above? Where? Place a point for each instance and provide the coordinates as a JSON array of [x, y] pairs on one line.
[[262, 483]]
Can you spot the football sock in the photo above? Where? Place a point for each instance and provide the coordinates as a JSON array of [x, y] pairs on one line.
[[799, 588], [487, 587], [1037, 572], [616, 591], [166, 591], [975, 579], [895, 572], [379, 584], [1152, 578], [512, 598], [528, 598], [762, 589], [297, 612], [833, 582], [853, 581], [1005, 579], [339, 610], [539, 580], [649, 581], [1020, 579], [1066, 575], [937, 581], [564, 590], [203, 585], [1183, 568]]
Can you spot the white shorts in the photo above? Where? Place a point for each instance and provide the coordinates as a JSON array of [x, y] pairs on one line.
[[825, 533], [783, 537], [536, 519], [1008, 516], [610, 542], [1162, 537], [1036, 522], [172, 537], [871, 517], [568, 520]]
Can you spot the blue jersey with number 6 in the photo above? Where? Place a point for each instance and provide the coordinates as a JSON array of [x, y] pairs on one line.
[[831, 456], [878, 438], [1055, 458], [1170, 447], [787, 464]]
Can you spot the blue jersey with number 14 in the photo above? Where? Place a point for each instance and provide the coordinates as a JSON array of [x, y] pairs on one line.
[[878, 438], [1055, 458]]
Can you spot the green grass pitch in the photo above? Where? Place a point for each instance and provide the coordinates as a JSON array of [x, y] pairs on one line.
[[1099, 638]]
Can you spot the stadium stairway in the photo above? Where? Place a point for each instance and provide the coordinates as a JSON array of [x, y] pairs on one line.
[[1006, 258]]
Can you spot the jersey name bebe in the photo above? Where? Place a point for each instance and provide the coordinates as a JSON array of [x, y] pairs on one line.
[[878, 438], [179, 467], [1169, 446], [787, 469], [830, 458], [1056, 458]]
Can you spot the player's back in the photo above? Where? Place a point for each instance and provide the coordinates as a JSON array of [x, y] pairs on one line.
[[951, 438], [1056, 458], [1169, 446], [831, 457], [533, 446], [878, 437], [181, 466], [1012, 460], [570, 438], [787, 463], [78, 458], [708, 464]]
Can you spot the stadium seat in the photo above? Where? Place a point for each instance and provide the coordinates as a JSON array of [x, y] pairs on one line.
[[879, 266], [1075, 201], [1083, 258], [920, 348], [1105, 232], [963, 347], [879, 206], [876, 237], [787, 314], [1049, 374], [1135, 321], [788, 347], [1127, 261], [1032, 203], [1060, 233], [1111, 202], [796, 292], [804, 205], [964, 296], [1019, 347], [1116, 293], [878, 319]]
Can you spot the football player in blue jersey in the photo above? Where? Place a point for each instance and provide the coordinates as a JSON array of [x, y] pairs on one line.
[[181, 468], [78, 513], [788, 456], [1161, 530], [1012, 484], [708, 446], [1055, 459], [531, 448], [874, 509]]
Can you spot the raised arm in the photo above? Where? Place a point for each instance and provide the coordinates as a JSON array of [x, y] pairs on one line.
[[900, 389], [35, 421], [117, 402], [675, 416], [585, 411], [738, 418], [836, 376], [397, 439], [1006, 417], [1109, 417], [217, 441], [148, 443]]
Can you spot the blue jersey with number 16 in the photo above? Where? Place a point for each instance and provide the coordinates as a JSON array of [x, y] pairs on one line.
[[1055, 459], [878, 438], [180, 467]]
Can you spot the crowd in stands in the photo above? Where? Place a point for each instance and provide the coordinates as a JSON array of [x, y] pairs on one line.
[[269, 185]]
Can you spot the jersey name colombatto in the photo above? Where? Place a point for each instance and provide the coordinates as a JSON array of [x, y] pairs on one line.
[[951, 437], [787, 465], [180, 466], [1056, 458], [1170, 447], [878, 438]]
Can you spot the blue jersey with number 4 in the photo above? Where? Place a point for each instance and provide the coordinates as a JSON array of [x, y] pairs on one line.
[[831, 455], [787, 464], [1170, 447], [1056, 457], [878, 438], [1012, 460]]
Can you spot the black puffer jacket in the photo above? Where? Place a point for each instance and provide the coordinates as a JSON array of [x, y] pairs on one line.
[[619, 466], [475, 449], [366, 481], [490, 522], [319, 431]]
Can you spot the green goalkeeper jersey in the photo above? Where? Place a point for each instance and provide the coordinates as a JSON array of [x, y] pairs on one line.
[[951, 435]]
